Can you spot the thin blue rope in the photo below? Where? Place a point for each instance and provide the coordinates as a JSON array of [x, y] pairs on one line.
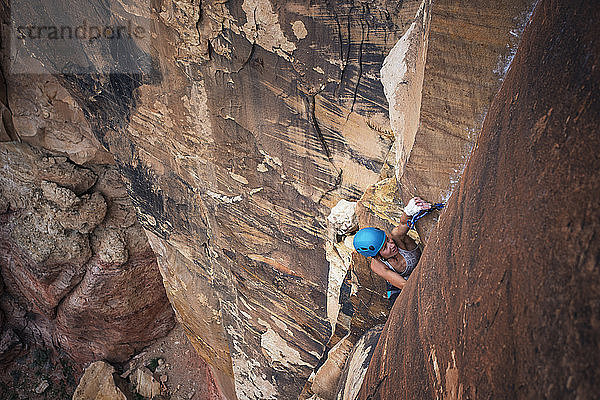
[[411, 222]]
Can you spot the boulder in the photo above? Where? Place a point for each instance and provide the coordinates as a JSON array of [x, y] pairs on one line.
[[343, 217], [97, 383], [145, 384]]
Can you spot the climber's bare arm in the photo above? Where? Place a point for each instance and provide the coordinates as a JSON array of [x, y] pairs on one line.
[[400, 231], [392, 277]]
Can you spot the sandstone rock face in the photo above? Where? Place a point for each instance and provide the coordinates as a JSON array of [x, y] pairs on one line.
[[98, 383], [437, 108], [402, 77], [356, 365], [74, 258], [325, 381], [439, 79], [45, 115], [256, 124], [505, 301], [258, 117]]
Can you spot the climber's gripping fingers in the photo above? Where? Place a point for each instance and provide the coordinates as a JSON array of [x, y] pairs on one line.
[[422, 204], [415, 205]]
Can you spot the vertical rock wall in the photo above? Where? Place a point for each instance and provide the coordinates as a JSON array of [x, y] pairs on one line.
[[504, 303], [468, 47]]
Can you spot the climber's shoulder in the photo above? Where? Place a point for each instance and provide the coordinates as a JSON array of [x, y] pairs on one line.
[[399, 230], [377, 266]]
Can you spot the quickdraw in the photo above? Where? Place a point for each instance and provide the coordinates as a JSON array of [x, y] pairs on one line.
[[411, 222]]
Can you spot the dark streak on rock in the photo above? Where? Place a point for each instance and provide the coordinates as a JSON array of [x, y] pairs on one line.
[[371, 165], [310, 108], [371, 395], [250, 55], [144, 195], [309, 101], [360, 59], [345, 60], [339, 35], [8, 125], [344, 299], [106, 100], [199, 22], [336, 185]]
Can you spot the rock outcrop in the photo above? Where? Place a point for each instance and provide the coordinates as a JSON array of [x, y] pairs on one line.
[[504, 303], [98, 383], [77, 268]]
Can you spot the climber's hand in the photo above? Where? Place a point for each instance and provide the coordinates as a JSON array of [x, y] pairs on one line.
[[415, 205], [424, 205]]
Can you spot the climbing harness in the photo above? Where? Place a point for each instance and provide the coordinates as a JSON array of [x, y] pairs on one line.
[[413, 220]]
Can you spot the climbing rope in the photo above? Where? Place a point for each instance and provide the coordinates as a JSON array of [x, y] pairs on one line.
[[411, 222]]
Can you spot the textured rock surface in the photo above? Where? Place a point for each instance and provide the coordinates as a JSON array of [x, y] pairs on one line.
[[10, 346], [325, 381], [505, 301], [356, 365], [145, 384], [259, 117], [343, 217], [402, 77], [470, 46], [97, 383], [74, 259], [45, 115], [234, 154]]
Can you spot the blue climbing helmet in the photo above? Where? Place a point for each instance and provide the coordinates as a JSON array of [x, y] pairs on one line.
[[368, 241]]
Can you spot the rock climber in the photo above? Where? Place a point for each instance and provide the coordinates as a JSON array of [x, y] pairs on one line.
[[393, 257]]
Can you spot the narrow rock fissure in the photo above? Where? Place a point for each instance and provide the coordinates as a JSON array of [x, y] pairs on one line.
[[360, 60]]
